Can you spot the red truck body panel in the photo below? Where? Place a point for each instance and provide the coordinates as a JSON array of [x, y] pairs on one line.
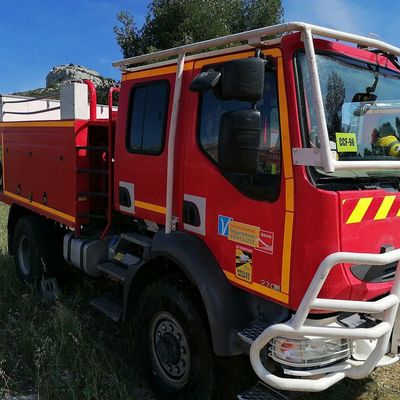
[[288, 237], [40, 162]]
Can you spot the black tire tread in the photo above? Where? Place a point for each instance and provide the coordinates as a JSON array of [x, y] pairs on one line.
[[43, 243], [201, 383]]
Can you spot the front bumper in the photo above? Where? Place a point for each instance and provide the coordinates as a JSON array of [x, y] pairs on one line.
[[386, 333]]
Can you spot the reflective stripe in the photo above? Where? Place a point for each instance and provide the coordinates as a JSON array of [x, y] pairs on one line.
[[359, 211], [150, 207], [40, 206], [385, 207], [257, 287]]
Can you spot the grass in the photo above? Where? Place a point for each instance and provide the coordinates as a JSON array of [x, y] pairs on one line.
[[66, 351], [61, 350]]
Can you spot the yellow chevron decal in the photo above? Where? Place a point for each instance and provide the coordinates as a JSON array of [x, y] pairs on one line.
[[359, 211], [385, 207]]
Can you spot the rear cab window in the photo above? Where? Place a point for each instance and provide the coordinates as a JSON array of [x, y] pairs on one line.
[[147, 118]]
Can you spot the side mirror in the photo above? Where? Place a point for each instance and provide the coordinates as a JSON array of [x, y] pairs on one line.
[[239, 141], [243, 79], [204, 81]]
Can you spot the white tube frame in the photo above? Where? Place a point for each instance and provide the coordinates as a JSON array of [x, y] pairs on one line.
[[322, 157], [297, 327], [169, 224]]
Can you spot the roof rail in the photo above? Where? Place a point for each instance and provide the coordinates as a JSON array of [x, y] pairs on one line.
[[254, 37], [301, 156]]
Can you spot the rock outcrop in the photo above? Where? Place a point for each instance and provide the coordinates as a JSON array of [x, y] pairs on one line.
[[66, 73]]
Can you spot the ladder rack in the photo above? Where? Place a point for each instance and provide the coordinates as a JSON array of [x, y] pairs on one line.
[[301, 156]]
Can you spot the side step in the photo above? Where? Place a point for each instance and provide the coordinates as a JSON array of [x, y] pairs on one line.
[[264, 392], [108, 307], [140, 240], [113, 270], [251, 333]]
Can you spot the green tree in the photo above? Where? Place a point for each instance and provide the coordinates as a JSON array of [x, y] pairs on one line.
[[171, 23]]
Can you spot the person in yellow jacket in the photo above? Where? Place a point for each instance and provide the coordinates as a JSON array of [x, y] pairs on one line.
[[386, 139]]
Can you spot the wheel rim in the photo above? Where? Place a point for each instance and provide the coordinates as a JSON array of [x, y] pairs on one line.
[[170, 350], [24, 255]]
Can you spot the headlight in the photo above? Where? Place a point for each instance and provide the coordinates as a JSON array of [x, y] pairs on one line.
[[309, 352]]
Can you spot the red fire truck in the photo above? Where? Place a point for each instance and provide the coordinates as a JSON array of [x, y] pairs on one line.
[[243, 200]]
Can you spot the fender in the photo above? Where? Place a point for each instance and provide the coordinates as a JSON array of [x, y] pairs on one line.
[[224, 304]]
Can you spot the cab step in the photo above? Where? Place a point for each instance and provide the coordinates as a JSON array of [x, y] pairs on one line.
[[140, 240], [252, 332], [108, 307], [113, 270], [264, 392]]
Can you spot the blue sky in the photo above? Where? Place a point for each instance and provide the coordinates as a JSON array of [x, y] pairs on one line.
[[36, 35]]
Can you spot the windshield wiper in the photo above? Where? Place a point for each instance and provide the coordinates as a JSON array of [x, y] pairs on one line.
[[391, 57]]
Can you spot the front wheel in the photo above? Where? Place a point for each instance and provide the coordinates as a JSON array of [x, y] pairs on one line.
[[173, 342]]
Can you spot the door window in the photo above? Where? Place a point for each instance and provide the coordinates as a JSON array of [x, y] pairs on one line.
[[265, 183], [147, 119]]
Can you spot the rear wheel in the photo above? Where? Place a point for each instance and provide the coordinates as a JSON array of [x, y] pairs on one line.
[[173, 344], [34, 249]]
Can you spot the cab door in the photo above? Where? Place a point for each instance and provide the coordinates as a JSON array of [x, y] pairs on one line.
[[141, 150], [246, 219]]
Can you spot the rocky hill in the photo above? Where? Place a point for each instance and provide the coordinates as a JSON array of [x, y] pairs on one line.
[[66, 73]]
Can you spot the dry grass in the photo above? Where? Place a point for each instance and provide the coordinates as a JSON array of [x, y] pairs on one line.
[[65, 351]]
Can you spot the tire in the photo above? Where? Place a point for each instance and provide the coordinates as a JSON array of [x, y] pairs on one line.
[[35, 252], [173, 344]]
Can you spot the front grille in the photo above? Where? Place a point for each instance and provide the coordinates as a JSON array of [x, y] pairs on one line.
[[374, 273]]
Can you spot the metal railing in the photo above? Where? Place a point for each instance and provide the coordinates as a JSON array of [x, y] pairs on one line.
[[301, 156], [297, 326], [31, 100]]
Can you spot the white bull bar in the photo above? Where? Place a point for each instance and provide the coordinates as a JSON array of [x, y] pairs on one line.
[[390, 322]]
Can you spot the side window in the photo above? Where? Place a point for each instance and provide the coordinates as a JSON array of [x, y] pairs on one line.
[[147, 118], [265, 183]]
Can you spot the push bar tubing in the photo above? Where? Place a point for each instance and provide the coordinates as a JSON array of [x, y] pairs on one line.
[[295, 327], [325, 267]]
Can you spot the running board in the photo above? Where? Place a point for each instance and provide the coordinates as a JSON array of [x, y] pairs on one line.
[[251, 333], [264, 392], [108, 307], [113, 270]]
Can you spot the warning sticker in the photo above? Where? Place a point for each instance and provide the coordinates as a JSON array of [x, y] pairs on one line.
[[243, 233], [244, 264], [346, 142], [266, 242]]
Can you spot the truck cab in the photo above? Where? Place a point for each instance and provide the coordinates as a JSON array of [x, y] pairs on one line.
[[251, 205]]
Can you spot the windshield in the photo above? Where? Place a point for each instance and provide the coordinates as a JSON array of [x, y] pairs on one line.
[[362, 107]]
